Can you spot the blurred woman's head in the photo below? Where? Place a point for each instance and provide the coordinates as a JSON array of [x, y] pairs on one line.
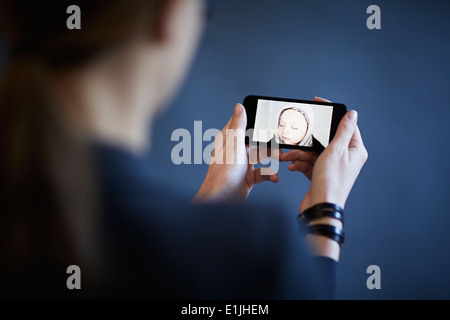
[[143, 46]]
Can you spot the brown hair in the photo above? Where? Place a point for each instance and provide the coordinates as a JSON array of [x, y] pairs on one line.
[[46, 174]]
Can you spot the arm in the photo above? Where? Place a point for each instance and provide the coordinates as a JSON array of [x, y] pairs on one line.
[[332, 176]]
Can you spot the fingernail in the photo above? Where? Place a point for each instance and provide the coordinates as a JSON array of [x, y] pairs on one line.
[[316, 97], [352, 116], [238, 109]]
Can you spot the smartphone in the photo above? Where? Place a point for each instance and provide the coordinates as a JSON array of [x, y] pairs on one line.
[[291, 123]]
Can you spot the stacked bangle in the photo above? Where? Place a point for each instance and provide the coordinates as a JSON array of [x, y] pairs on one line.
[[324, 210], [326, 230]]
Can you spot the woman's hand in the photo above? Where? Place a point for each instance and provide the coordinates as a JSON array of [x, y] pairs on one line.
[[230, 176], [334, 172], [332, 175]]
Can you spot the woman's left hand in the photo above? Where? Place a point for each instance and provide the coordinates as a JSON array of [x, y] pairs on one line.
[[231, 175]]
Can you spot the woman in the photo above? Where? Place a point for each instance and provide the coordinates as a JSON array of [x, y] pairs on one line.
[[295, 127], [76, 107]]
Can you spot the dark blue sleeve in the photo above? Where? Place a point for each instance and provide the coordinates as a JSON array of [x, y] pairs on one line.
[[161, 246], [327, 271], [217, 252]]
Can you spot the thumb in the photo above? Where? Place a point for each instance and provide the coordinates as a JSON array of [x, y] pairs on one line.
[[239, 119], [345, 131]]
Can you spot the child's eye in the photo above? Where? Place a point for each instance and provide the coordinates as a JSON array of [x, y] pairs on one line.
[[294, 128]]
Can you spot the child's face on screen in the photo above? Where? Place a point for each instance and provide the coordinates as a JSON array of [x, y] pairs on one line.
[[292, 127]]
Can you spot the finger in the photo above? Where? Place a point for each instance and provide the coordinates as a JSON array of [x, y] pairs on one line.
[[239, 119], [321, 99], [237, 125], [231, 120], [227, 126], [356, 144], [356, 140], [301, 166], [304, 167], [275, 153], [298, 155], [219, 138], [235, 151], [257, 154], [272, 176], [345, 131]]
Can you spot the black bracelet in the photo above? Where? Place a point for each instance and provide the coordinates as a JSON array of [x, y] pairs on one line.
[[326, 230], [325, 205], [308, 217], [321, 210]]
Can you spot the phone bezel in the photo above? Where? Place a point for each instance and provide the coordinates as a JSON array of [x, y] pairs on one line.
[[250, 104]]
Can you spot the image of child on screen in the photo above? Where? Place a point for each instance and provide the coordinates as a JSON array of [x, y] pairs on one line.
[[295, 126]]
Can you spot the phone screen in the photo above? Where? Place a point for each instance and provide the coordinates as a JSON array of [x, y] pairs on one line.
[[293, 123]]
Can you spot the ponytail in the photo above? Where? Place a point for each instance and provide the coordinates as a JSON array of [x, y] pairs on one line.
[[48, 210], [46, 189]]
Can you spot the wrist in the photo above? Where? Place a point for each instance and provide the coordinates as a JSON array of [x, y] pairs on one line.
[[205, 194], [218, 192], [324, 213], [324, 224], [326, 220], [327, 197], [323, 246]]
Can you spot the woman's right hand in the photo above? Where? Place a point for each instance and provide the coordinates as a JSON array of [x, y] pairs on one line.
[[334, 172], [332, 175]]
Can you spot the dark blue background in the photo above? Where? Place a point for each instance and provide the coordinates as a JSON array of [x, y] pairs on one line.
[[397, 215], [397, 78]]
